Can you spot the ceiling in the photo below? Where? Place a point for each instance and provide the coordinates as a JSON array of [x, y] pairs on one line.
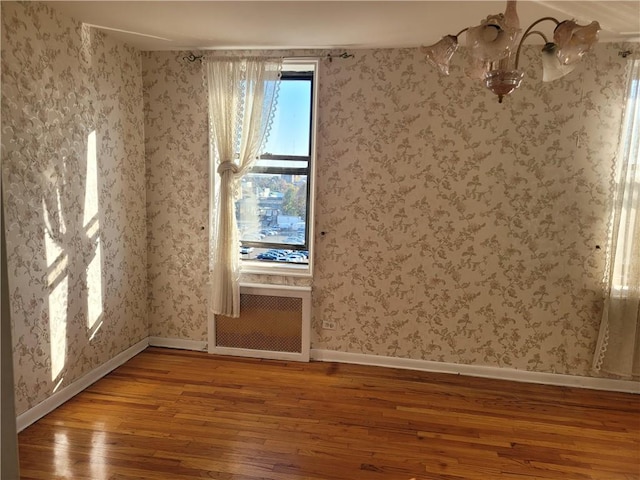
[[178, 25]]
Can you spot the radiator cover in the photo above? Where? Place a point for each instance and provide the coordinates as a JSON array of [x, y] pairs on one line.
[[274, 323]]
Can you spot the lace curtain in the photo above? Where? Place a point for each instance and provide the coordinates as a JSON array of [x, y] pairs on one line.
[[618, 347], [242, 97]]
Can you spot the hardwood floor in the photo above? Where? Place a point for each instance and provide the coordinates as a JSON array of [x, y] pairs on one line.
[[169, 414]]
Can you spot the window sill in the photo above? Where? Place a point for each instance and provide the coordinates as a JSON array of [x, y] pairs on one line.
[[273, 268]]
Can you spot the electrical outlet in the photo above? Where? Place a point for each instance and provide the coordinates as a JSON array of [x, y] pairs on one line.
[[328, 325]]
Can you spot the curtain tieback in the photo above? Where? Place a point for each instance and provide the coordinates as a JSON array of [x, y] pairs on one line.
[[226, 166]]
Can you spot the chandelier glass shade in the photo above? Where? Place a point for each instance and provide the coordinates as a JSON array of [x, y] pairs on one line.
[[574, 40], [494, 49], [552, 67], [440, 53]]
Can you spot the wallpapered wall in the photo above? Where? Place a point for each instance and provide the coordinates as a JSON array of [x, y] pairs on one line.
[[456, 229], [74, 187], [177, 160]]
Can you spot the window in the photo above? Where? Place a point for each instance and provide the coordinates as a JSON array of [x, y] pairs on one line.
[[274, 211], [627, 195]]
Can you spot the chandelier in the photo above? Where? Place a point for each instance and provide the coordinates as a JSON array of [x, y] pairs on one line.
[[494, 49]]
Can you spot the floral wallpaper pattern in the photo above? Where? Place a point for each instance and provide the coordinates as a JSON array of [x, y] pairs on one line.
[[459, 229], [74, 197], [456, 229], [176, 146]]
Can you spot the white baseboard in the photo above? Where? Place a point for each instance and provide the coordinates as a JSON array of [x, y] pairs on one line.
[[54, 401], [178, 343], [594, 383]]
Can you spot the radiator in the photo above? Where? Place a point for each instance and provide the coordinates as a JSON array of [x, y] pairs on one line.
[[274, 323]]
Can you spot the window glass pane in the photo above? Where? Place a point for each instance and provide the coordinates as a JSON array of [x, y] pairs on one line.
[[275, 255], [291, 123], [272, 209]]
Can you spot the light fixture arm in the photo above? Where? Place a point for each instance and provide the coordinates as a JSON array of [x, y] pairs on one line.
[[461, 32], [528, 32], [533, 32]]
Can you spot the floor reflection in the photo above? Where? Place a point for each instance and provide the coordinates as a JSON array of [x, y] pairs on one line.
[[61, 460], [98, 451]]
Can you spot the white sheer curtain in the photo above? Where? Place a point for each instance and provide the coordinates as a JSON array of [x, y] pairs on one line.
[[618, 347], [242, 97]]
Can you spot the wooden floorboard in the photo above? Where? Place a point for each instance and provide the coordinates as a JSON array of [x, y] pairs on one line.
[[170, 414]]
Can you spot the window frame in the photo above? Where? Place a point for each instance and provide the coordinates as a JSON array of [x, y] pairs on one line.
[[293, 70]]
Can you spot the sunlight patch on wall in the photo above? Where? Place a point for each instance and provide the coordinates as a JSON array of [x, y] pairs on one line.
[[91, 224], [91, 190], [58, 326], [94, 284], [57, 282]]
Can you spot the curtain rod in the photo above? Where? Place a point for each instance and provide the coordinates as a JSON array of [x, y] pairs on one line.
[[627, 53], [192, 57]]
